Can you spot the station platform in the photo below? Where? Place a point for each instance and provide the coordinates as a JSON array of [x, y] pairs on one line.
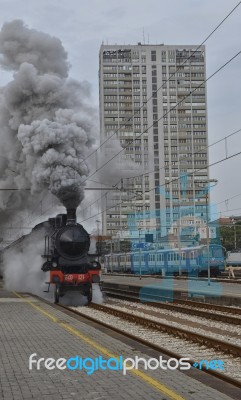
[[221, 293], [29, 325]]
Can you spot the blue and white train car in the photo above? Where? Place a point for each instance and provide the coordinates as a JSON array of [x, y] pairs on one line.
[[189, 260]]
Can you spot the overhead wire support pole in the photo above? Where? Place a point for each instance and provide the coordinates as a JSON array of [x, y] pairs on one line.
[[207, 223], [140, 250], [208, 239]]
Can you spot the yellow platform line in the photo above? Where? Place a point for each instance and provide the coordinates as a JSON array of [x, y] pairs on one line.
[[143, 376]]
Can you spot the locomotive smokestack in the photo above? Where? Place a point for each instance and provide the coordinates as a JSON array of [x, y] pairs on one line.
[[71, 216]]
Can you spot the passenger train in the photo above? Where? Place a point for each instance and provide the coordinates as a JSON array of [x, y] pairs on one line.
[[189, 260]]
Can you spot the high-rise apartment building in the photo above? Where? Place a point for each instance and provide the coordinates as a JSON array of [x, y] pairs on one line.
[[154, 98]]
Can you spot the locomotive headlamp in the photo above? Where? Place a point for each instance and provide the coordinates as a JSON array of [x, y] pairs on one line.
[[54, 264]]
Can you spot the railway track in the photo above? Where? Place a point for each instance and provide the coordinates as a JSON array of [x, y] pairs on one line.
[[206, 310], [215, 343], [155, 335]]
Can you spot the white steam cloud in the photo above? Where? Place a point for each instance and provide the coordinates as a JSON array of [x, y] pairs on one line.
[[22, 269]]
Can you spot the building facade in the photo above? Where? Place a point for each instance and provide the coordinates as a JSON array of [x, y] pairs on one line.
[[153, 97]]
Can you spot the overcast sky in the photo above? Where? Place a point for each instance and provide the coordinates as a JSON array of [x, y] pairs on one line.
[[83, 25]]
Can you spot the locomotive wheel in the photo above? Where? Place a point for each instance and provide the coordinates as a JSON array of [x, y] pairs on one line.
[[89, 296], [56, 294]]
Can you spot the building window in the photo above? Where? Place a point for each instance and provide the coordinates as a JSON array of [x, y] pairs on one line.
[[153, 56]]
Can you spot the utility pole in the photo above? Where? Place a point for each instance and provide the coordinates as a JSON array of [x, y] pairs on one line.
[[140, 250], [98, 238], [208, 240], [235, 236], [207, 227], [111, 252]]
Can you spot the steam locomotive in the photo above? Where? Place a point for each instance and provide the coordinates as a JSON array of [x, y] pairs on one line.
[[65, 257], [66, 252]]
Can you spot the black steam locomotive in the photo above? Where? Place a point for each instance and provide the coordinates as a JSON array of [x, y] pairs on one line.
[[66, 244], [66, 252]]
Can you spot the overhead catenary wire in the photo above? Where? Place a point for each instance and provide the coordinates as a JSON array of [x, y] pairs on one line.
[[169, 164], [164, 83], [156, 187], [230, 198], [191, 54], [174, 107], [213, 212], [143, 174], [225, 211], [211, 76], [163, 185]]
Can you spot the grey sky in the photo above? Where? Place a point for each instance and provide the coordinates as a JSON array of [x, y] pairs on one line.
[[83, 25]]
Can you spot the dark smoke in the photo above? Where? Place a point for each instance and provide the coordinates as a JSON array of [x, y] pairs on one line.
[[47, 123], [18, 45]]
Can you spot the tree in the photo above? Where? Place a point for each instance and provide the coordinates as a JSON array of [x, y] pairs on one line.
[[227, 236]]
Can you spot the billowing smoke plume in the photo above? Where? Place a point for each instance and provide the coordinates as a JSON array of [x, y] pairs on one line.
[[47, 123]]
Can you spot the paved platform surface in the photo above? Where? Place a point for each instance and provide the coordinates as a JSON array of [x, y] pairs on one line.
[[221, 292], [28, 325]]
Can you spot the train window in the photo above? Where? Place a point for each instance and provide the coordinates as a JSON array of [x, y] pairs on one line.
[[159, 257], [216, 252], [183, 256]]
